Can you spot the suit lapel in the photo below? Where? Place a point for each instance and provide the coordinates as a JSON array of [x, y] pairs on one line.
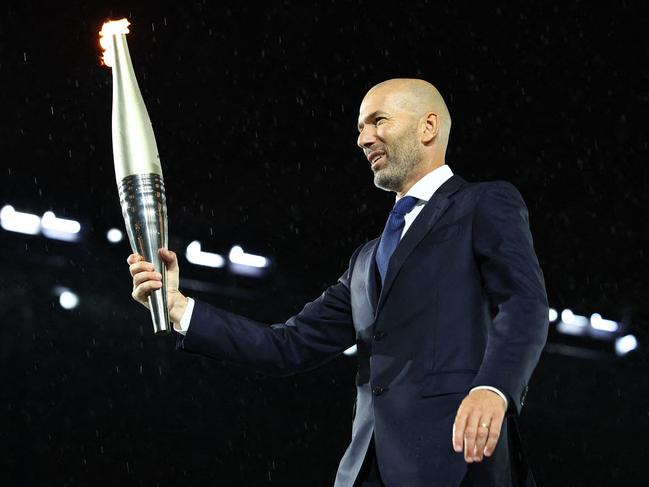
[[373, 277], [363, 287], [425, 221]]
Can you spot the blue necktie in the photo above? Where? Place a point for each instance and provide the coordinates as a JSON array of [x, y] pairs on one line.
[[392, 233]]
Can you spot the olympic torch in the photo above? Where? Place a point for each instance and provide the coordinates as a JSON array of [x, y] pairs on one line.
[[137, 165]]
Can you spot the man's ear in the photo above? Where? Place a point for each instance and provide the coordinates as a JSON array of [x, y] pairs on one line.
[[430, 129]]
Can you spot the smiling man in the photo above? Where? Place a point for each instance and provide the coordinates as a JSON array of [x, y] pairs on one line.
[[391, 114], [447, 308]]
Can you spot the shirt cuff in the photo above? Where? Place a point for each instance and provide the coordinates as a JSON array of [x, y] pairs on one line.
[[493, 389], [183, 326]]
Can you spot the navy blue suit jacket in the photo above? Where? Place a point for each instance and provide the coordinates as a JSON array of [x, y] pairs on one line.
[[463, 305]]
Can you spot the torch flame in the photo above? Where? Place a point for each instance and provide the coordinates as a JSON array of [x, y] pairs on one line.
[[111, 28]]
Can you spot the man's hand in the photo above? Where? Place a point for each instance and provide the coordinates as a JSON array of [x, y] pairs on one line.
[[146, 280], [477, 424]]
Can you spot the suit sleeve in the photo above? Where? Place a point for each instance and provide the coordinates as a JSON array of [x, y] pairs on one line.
[[317, 334], [515, 287]]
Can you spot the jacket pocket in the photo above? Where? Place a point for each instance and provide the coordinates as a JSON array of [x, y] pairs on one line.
[[440, 383]]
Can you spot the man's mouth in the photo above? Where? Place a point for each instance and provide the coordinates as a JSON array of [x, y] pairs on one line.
[[375, 157]]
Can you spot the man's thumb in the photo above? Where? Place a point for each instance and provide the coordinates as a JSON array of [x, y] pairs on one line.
[[169, 258]]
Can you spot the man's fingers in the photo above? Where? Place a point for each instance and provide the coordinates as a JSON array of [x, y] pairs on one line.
[[477, 425], [133, 258], [141, 292], [142, 277], [140, 266], [146, 277], [171, 263], [458, 431], [470, 436], [494, 434], [482, 436], [169, 258]]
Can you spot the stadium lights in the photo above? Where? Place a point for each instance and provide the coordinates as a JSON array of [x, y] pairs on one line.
[[195, 255], [49, 224], [246, 264], [114, 235], [60, 228], [238, 256], [15, 221], [67, 299], [599, 323], [592, 330], [625, 344], [572, 324]]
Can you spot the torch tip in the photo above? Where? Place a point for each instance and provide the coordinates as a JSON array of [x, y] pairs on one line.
[[109, 29]]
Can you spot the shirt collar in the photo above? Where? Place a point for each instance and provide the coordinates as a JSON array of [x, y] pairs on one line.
[[425, 188]]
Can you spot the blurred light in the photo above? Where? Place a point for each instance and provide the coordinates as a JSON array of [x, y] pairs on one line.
[[60, 228], [599, 323], [568, 329], [15, 221], [625, 344], [238, 256], [553, 314], [572, 324], [114, 235], [195, 255], [569, 318], [350, 351], [68, 300]]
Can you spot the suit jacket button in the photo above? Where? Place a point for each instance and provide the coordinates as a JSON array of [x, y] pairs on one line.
[[379, 335], [378, 390]]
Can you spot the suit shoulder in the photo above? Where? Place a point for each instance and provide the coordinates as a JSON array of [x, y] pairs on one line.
[[487, 189], [497, 185]]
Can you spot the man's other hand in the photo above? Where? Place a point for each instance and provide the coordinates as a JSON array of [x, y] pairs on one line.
[[146, 280], [477, 425]]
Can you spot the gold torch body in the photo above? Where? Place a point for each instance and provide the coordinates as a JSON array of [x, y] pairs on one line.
[[139, 175]]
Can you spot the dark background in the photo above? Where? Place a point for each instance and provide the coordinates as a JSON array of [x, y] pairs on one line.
[[254, 110]]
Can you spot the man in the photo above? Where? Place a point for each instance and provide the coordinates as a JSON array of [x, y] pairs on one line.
[[447, 308]]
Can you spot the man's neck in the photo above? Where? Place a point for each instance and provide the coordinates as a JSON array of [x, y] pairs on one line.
[[416, 177]]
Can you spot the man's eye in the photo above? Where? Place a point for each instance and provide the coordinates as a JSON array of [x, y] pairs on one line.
[[380, 120]]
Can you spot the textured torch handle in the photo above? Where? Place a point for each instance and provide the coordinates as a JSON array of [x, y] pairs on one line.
[[144, 208]]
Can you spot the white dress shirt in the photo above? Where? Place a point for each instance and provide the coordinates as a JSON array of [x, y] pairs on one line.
[[423, 190]]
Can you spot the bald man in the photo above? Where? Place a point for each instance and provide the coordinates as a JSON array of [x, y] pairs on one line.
[[447, 308]]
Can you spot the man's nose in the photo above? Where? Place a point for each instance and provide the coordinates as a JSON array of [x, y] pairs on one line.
[[367, 137]]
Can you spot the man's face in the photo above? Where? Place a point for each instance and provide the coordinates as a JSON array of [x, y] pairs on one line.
[[388, 137]]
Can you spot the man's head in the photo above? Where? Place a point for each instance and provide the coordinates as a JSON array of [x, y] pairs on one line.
[[403, 127]]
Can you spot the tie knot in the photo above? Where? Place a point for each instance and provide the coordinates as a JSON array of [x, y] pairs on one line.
[[404, 205]]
